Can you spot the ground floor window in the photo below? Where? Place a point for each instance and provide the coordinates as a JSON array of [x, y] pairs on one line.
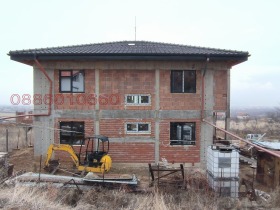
[[72, 133], [138, 127], [182, 133]]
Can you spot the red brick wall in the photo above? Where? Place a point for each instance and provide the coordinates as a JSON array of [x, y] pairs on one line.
[[115, 128], [128, 151], [179, 101], [178, 153], [117, 83], [119, 151], [220, 90], [114, 84], [121, 82]]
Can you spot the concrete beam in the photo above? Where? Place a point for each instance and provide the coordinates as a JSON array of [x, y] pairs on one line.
[[85, 114], [179, 114], [135, 65], [129, 114]]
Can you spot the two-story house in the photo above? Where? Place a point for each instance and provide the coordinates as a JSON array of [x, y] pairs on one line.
[[149, 98]]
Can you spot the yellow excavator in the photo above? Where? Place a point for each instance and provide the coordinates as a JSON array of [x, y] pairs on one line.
[[88, 159]]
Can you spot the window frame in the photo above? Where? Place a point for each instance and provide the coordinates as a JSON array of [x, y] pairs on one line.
[[185, 73], [137, 126], [72, 137], [175, 141], [138, 100], [71, 81]]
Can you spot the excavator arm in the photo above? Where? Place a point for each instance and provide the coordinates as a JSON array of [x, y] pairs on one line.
[[61, 147]]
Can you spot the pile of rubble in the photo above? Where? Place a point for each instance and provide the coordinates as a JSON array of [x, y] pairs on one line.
[[5, 168], [3, 165]]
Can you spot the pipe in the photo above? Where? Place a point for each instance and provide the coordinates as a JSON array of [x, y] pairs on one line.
[[41, 68], [248, 142]]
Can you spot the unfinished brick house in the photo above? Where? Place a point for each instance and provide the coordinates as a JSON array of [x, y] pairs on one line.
[[149, 98]]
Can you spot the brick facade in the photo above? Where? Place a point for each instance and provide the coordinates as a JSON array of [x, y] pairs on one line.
[[179, 101], [178, 153], [220, 90], [116, 84], [121, 82]]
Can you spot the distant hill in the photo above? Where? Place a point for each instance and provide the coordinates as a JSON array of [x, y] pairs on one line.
[[253, 111], [13, 109]]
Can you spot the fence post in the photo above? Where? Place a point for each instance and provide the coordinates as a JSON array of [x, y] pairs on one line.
[[7, 140], [26, 138]]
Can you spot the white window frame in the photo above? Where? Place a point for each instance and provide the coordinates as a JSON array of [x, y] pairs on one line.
[[137, 131], [137, 101]]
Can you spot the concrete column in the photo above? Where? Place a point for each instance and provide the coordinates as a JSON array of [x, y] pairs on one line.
[[206, 130], [157, 108], [43, 130], [97, 87], [227, 121], [97, 110]]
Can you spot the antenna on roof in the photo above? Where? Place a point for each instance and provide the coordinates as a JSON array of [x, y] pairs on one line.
[[135, 28]]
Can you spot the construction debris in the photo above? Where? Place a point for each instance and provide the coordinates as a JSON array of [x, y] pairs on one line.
[[131, 180], [34, 177], [160, 173], [87, 180], [6, 169], [3, 166]]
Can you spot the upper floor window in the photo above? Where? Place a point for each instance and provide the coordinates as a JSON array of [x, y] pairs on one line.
[[72, 133], [72, 81], [137, 99], [183, 81], [182, 133], [138, 127]]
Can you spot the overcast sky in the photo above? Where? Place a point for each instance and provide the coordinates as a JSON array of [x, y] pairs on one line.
[[246, 25]]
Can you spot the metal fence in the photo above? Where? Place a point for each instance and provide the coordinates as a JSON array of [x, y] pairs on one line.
[[15, 136]]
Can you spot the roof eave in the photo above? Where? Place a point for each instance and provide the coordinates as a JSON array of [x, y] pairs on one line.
[[198, 57]]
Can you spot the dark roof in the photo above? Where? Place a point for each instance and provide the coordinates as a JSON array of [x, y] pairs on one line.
[[128, 50]]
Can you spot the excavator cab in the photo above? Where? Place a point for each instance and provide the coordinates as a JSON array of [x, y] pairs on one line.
[[92, 157], [96, 148]]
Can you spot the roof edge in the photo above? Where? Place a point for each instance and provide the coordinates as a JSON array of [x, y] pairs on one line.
[[199, 57]]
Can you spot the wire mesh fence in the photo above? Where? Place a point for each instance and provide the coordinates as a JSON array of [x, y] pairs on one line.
[[15, 136]]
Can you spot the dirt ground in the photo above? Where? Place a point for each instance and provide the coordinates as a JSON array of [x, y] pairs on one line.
[[23, 161], [195, 178]]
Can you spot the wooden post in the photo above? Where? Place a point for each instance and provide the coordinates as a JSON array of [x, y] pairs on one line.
[[7, 140], [26, 138], [40, 169]]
